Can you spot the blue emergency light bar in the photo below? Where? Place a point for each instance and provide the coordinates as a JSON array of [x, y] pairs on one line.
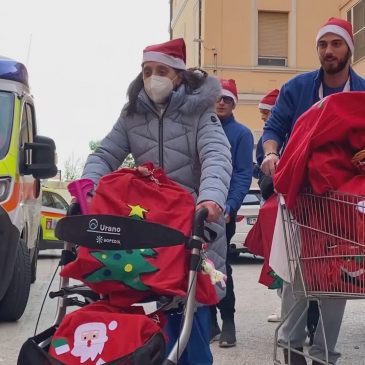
[[13, 70]]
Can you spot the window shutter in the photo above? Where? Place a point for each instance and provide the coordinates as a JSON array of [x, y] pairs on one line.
[[272, 34], [357, 17]]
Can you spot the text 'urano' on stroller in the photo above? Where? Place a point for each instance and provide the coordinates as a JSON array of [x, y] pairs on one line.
[[106, 233]]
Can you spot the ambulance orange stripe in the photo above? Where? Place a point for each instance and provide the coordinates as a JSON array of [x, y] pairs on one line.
[[52, 214], [12, 203]]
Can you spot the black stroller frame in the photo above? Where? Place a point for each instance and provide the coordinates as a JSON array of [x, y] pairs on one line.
[[136, 235]]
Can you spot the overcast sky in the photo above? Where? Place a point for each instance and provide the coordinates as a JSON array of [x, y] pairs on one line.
[[81, 56]]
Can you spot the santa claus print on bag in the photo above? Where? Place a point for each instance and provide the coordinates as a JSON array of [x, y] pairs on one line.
[[100, 333], [89, 341]]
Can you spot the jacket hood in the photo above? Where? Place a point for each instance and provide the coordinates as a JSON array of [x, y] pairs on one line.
[[187, 102], [204, 97]]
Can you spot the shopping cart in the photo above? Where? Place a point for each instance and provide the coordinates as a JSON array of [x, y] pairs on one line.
[[325, 246]]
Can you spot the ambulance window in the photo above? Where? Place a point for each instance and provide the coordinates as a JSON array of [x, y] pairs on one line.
[[24, 133], [59, 202], [6, 121], [47, 199], [27, 128], [31, 124]]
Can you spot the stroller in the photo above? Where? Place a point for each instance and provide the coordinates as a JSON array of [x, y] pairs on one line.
[[144, 341]]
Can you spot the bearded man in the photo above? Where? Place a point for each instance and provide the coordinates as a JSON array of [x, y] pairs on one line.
[[335, 46]]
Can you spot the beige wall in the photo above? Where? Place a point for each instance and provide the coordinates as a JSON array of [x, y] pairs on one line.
[[229, 47]]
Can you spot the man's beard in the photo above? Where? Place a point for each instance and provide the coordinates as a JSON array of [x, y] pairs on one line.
[[336, 68], [85, 352]]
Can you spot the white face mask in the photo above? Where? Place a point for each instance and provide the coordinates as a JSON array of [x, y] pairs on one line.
[[158, 88]]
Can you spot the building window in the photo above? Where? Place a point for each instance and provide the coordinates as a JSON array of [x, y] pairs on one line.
[[272, 38], [356, 16]]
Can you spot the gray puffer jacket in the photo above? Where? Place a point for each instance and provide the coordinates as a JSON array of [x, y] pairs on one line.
[[186, 140]]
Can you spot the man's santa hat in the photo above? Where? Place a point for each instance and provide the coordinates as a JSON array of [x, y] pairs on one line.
[[229, 88], [341, 27], [171, 53], [268, 101]]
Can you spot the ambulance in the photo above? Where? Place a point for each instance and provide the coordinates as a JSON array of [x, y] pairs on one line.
[[25, 159]]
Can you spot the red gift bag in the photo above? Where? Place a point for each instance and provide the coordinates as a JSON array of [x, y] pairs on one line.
[[128, 276], [99, 333], [259, 241], [356, 212], [329, 167]]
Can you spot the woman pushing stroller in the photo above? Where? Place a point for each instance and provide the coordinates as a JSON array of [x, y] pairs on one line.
[[170, 121]]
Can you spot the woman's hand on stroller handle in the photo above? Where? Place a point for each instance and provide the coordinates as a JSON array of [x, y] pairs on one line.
[[82, 190], [214, 210], [75, 208]]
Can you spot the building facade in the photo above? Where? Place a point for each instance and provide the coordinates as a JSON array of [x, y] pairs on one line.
[[260, 43]]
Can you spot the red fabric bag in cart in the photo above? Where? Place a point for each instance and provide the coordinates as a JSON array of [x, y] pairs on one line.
[[336, 258], [356, 186], [325, 153], [335, 120], [132, 275], [99, 333], [329, 167], [259, 240]]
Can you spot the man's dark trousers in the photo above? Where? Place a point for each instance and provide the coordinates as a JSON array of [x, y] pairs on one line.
[[227, 304]]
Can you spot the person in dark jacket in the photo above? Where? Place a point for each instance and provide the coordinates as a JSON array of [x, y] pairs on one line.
[[265, 106], [170, 120], [241, 141], [335, 45]]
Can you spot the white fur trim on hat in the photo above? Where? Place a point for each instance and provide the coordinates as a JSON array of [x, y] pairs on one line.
[[331, 28], [265, 106], [226, 92], [173, 62]]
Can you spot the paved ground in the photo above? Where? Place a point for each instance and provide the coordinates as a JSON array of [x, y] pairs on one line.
[[254, 333]]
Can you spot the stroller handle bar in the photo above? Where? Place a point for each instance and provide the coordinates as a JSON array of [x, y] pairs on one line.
[[200, 217]]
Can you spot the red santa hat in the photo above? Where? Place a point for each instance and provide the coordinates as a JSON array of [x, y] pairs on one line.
[[268, 101], [341, 27], [171, 53], [229, 88]]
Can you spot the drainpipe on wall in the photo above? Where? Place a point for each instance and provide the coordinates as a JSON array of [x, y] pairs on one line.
[[215, 57], [170, 29], [200, 34]]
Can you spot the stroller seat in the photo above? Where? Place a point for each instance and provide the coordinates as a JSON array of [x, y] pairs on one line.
[[160, 266]]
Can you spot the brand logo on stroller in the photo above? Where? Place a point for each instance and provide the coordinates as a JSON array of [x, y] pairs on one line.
[[93, 224], [96, 227], [111, 229]]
